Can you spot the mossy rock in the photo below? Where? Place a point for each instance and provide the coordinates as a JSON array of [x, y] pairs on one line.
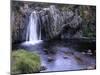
[[25, 62]]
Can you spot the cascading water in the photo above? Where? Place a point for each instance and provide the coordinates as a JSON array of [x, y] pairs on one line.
[[33, 27], [51, 22], [32, 36]]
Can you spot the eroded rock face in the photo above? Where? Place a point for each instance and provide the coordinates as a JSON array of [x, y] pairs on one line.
[[52, 21]]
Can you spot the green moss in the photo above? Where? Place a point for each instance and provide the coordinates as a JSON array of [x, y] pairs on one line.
[[25, 62]]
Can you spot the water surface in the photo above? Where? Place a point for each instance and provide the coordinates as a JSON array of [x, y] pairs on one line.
[[63, 55]]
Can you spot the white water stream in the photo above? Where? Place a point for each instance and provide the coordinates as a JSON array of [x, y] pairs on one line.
[[32, 35]]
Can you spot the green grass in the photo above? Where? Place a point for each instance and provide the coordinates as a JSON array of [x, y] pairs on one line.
[[25, 62]]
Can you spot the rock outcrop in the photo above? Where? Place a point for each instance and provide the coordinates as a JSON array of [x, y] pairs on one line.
[[64, 21], [55, 21]]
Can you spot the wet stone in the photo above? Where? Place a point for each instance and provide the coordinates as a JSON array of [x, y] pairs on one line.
[[65, 57], [89, 52], [83, 53], [69, 53], [91, 67], [50, 59], [46, 51], [43, 68]]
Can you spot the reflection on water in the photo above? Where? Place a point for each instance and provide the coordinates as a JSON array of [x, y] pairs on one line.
[[63, 55]]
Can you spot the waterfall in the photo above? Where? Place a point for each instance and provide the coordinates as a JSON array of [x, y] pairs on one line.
[[33, 34], [50, 22]]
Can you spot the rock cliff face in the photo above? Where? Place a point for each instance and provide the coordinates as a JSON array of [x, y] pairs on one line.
[[19, 21], [55, 21], [64, 21]]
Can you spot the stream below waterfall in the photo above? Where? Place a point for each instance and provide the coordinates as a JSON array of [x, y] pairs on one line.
[[61, 55]]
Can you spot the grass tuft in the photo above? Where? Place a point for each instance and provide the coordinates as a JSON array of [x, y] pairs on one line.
[[25, 62]]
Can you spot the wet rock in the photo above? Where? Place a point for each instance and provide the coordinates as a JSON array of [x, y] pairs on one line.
[[68, 53], [78, 58], [54, 21], [50, 59], [83, 53], [91, 67], [89, 52], [65, 57], [46, 51], [43, 68]]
